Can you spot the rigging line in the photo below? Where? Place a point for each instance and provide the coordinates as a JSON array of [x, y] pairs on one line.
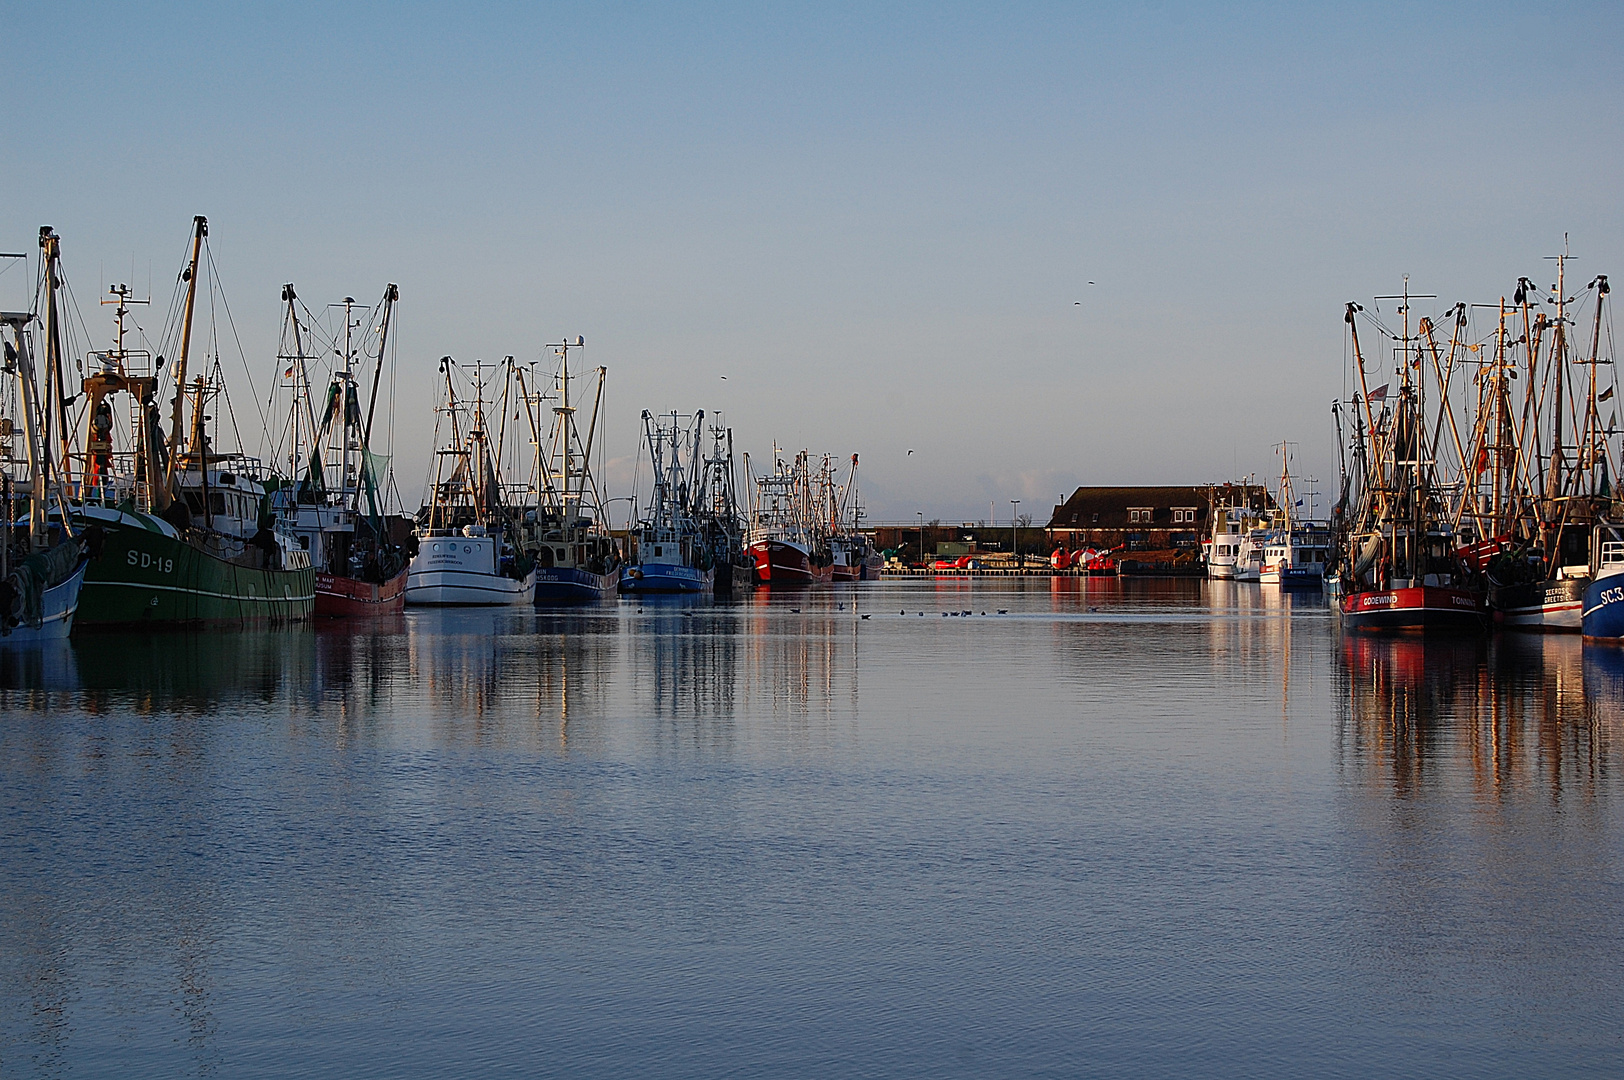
[[73, 307], [215, 286], [218, 375], [221, 377], [313, 326], [71, 416], [169, 336]]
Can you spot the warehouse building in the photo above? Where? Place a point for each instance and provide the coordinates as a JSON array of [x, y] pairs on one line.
[[1146, 518]]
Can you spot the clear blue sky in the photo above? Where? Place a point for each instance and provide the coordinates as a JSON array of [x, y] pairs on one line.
[[877, 220]]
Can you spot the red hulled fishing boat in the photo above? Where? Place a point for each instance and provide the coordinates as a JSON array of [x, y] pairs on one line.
[[1399, 565], [785, 542], [1416, 607], [335, 509], [347, 597]]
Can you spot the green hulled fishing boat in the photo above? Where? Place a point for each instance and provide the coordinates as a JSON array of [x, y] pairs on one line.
[[187, 535], [149, 573]]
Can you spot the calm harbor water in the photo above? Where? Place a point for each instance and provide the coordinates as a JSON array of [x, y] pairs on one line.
[[1137, 828]]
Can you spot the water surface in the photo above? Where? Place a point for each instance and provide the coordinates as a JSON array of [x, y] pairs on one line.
[[1138, 828]]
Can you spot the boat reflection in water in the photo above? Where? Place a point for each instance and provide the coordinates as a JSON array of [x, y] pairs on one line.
[[1512, 712], [517, 679], [170, 670]]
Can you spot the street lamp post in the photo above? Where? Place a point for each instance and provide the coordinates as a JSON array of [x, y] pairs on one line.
[[921, 516], [1014, 534]]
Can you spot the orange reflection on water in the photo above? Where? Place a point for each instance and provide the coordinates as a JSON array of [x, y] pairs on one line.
[[1510, 712]]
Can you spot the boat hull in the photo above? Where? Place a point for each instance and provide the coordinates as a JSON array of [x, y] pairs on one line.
[[145, 578], [1603, 616], [1541, 605], [1292, 577], [665, 578], [347, 598], [58, 606], [1417, 609], [572, 585], [730, 577], [468, 588], [780, 562]]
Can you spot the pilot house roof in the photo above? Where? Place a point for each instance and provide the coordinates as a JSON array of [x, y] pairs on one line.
[[1152, 507]]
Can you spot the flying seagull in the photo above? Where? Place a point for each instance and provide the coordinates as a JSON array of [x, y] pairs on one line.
[[724, 378], [910, 452]]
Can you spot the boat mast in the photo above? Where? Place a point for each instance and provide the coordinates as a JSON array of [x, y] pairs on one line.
[[455, 449], [586, 449], [20, 358], [346, 397], [301, 392], [390, 295], [200, 229], [480, 486], [54, 417], [565, 435], [1364, 394], [1594, 441]]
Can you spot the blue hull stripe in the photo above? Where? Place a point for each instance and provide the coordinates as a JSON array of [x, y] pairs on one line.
[[1604, 608]]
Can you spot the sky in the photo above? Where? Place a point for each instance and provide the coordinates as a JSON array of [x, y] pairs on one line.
[[1037, 245]]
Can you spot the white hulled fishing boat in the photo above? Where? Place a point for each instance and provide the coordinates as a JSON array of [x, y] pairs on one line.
[[465, 556]]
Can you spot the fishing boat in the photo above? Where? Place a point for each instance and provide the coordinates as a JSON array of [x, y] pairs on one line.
[[1233, 549], [564, 530], [783, 540], [465, 556], [39, 594], [1540, 480], [721, 524], [335, 507], [188, 535], [668, 552], [1398, 567], [1602, 616], [42, 565], [852, 554], [1294, 558], [1294, 549]]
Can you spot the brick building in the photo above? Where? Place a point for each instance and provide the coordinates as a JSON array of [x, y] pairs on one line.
[[1146, 518]]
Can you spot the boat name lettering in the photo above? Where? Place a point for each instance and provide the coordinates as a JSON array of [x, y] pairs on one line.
[[1380, 601], [1463, 601], [1611, 596], [145, 560]]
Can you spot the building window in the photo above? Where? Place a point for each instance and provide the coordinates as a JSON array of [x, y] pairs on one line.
[[1183, 515], [1138, 515]]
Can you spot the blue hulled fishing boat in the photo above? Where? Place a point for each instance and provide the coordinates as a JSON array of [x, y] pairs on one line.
[[1602, 617], [669, 553]]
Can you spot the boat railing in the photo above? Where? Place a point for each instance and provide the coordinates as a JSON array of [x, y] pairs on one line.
[[109, 492]]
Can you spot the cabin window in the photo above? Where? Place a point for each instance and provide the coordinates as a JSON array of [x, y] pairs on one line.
[[658, 550], [194, 502], [217, 503], [304, 543]]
